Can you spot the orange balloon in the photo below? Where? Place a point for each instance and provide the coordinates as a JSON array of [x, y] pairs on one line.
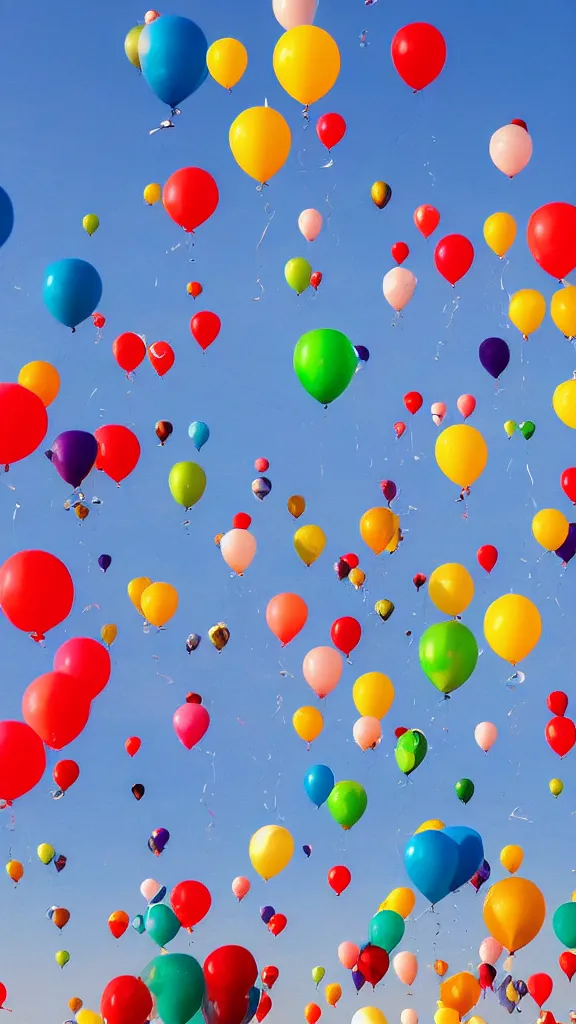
[[440, 966], [286, 615], [60, 917], [75, 1004], [312, 1013], [460, 992], [118, 923]]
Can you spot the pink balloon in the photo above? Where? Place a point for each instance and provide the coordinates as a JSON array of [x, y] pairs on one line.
[[348, 953], [408, 1017], [190, 724], [87, 660], [490, 951], [150, 16], [406, 967], [322, 668], [511, 149], [367, 732], [240, 887], [149, 889], [466, 405], [399, 286], [485, 735], [291, 13], [310, 224], [438, 410], [238, 548]]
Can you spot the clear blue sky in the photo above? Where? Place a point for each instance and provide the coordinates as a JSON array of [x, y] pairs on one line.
[[75, 120]]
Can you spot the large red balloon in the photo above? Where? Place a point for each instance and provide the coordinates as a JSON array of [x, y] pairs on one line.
[[540, 988], [118, 451], [561, 735], [551, 236], [190, 901], [339, 878], [345, 634], [23, 423], [205, 328], [56, 708], [567, 964], [22, 760], [128, 350], [453, 256], [36, 591], [426, 219], [65, 774], [330, 129], [126, 1000], [229, 969], [190, 196], [557, 702], [373, 963], [418, 54], [162, 357], [87, 660], [568, 483], [487, 557]]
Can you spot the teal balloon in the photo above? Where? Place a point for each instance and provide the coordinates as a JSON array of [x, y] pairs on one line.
[[325, 362], [347, 803], [138, 924], [298, 273], [411, 749], [177, 983], [564, 924], [386, 929], [161, 924], [187, 483], [448, 655]]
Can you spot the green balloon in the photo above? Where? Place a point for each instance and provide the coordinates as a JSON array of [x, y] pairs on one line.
[[347, 803], [527, 429], [187, 483], [161, 923], [131, 45], [325, 362], [564, 924], [448, 655], [464, 790], [411, 749], [386, 929], [298, 273], [177, 983]]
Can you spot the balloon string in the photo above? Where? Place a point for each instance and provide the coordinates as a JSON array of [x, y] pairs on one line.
[[270, 214]]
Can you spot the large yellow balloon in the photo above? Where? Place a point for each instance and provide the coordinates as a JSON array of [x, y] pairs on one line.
[[527, 310], [500, 233], [512, 627], [431, 825], [563, 310], [564, 403], [136, 588], [308, 723], [369, 1015], [451, 588], [461, 453], [227, 60], [309, 542], [514, 912], [306, 63], [271, 850], [550, 528], [42, 378], [460, 992], [159, 603], [402, 900], [88, 1017], [511, 858], [377, 529], [152, 193], [445, 1015], [373, 694], [260, 141]]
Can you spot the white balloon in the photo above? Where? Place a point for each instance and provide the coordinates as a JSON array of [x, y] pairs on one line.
[[238, 548], [399, 286], [511, 149], [291, 13]]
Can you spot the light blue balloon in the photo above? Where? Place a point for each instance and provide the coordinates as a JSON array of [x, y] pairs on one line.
[[431, 861], [198, 431], [319, 783], [6, 216], [72, 291], [161, 923], [172, 52], [470, 853]]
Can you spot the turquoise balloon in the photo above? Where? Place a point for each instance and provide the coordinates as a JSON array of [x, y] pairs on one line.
[[325, 362], [161, 924], [386, 929], [72, 291], [138, 924], [199, 432], [177, 983], [564, 924]]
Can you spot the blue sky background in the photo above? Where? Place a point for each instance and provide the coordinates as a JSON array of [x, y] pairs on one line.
[[75, 119]]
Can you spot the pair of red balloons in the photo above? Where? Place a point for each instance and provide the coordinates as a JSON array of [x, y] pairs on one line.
[[23, 423], [190, 197], [345, 634], [418, 54], [118, 451], [162, 357], [126, 1000], [229, 973], [190, 901], [453, 256], [205, 328], [129, 351], [339, 878]]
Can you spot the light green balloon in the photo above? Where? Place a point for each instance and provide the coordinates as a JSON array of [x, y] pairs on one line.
[[325, 362], [448, 654], [347, 803], [298, 273], [187, 483], [131, 45], [317, 974], [177, 983], [90, 223]]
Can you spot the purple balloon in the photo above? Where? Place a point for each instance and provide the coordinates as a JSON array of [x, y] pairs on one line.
[[307, 849], [481, 876], [158, 840], [267, 913], [358, 979], [567, 550], [363, 353], [73, 454], [494, 355], [104, 561]]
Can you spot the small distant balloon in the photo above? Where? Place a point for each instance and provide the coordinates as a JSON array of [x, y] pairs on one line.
[[193, 698], [90, 223], [307, 849], [152, 194], [219, 635], [104, 561], [199, 432], [261, 465], [108, 633], [158, 840], [296, 505], [150, 16], [261, 487], [363, 354], [316, 280], [194, 288], [192, 642], [138, 791], [381, 194], [163, 430]]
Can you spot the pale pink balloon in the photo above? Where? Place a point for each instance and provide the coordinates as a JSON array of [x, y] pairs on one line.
[[408, 1017], [238, 548], [322, 668], [466, 405], [150, 16], [190, 724], [438, 410], [150, 888], [511, 149], [348, 953], [398, 286], [240, 887], [310, 224], [406, 967], [485, 735], [367, 732], [291, 13], [490, 951]]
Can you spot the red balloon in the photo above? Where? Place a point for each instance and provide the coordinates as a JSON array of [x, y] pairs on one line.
[[557, 702], [132, 745], [162, 357], [36, 591], [400, 252], [399, 731], [339, 879], [540, 988], [98, 320], [56, 708], [190, 197], [453, 256], [373, 963], [345, 634], [352, 560], [65, 774], [205, 327], [567, 963], [190, 901], [487, 557], [413, 401], [22, 760], [330, 129], [269, 976], [118, 451], [419, 580], [551, 236], [229, 1007], [261, 465], [277, 923], [229, 969], [316, 280], [561, 735], [128, 350], [399, 428], [241, 521], [87, 660], [126, 1000], [195, 289], [3, 995], [264, 1007], [418, 54], [426, 219], [23, 423], [568, 483]]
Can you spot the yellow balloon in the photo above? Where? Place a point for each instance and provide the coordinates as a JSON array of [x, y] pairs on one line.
[[227, 60], [460, 992], [550, 528], [377, 529], [451, 588], [511, 858], [512, 627], [306, 63], [476, 1019], [108, 633], [402, 900], [260, 140], [309, 542], [392, 546], [369, 1015], [511, 993], [308, 723], [445, 1015], [42, 378], [152, 193], [510, 427], [136, 588], [333, 993], [556, 786], [500, 233], [373, 694], [564, 403], [514, 912], [131, 45], [357, 577], [46, 853], [14, 870], [159, 603], [461, 454], [563, 310], [88, 1017], [432, 825], [527, 310], [271, 850], [296, 505]]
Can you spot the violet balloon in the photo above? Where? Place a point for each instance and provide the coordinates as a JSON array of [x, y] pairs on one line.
[[358, 979], [104, 561], [481, 876], [363, 353], [267, 913], [494, 355], [73, 454], [567, 550]]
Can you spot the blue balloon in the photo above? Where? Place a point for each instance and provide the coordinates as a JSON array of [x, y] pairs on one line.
[[72, 290], [319, 783], [363, 353], [253, 1000], [198, 431], [172, 53], [6, 216], [470, 853], [431, 861]]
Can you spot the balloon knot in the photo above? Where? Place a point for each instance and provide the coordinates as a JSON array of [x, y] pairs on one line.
[[37, 637]]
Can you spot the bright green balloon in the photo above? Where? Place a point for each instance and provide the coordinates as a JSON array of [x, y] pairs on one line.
[[528, 429], [298, 273], [411, 749], [325, 362], [90, 223], [347, 803], [187, 483], [464, 790], [177, 983], [317, 974], [564, 924], [448, 655], [386, 929], [161, 923], [131, 45]]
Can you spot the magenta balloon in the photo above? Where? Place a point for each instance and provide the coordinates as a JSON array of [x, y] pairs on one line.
[[190, 723]]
